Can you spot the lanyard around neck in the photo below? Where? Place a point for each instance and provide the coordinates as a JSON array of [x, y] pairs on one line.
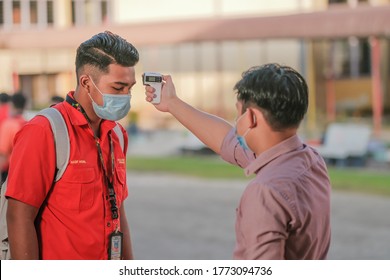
[[108, 180]]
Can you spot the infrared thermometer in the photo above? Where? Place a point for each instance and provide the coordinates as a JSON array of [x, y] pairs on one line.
[[154, 80]]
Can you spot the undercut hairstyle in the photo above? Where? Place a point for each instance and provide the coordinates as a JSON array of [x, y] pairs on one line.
[[279, 92], [104, 49]]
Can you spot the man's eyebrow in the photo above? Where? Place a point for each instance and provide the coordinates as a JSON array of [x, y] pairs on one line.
[[121, 83]]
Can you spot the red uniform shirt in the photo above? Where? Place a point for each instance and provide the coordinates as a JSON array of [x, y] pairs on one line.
[[76, 217], [4, 112], [8, 130]]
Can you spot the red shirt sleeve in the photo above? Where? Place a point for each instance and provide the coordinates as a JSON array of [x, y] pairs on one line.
[[32, 163]]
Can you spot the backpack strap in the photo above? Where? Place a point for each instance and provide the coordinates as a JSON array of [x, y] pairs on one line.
[[118, 131], [3, 217], [61, 139]]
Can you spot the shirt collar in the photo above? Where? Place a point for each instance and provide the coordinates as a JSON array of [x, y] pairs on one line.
[[264, 158], [77, 118]]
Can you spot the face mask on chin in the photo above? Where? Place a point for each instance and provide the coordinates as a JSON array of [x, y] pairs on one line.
[[241, 139], [115, 106]]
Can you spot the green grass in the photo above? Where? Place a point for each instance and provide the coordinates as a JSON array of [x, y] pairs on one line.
[[361, 180], [210, 167], [206, 167]]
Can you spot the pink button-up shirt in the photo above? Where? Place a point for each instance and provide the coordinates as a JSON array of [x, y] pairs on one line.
[[284, 212]]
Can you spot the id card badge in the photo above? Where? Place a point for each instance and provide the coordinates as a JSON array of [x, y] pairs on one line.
[[115, 246]]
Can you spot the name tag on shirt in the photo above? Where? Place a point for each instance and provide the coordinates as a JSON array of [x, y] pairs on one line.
[[115, 246]]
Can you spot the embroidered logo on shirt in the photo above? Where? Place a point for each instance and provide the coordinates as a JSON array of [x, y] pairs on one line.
[[121, 161], [78, 161]]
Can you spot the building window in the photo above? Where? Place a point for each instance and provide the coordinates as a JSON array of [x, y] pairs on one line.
[[351, 58], [365, 61], [349, 2], [1, 13], [50, 12], [16, 12], [73, 13], [104, 9], [34, 12], [337, 1]]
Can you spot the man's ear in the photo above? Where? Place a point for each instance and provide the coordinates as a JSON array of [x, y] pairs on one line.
[[84, 82], [252, 117]]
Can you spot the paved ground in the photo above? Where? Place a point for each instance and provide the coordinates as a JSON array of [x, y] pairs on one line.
[[189, 218]]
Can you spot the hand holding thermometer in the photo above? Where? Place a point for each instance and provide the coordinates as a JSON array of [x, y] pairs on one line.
[[154, 80]]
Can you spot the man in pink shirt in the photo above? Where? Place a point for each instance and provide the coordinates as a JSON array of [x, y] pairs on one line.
[[284, 212]]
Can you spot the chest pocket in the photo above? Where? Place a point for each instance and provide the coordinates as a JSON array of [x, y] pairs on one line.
[[77, 189], [120, 184]]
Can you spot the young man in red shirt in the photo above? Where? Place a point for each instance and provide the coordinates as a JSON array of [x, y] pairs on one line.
[[284, 213], [8, 129], [4, 106], [82, 215]]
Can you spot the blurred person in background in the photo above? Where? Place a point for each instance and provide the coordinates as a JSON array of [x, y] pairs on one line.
[[55, 99], [8, 129], [284, 213], [4, 106], [80, 216]]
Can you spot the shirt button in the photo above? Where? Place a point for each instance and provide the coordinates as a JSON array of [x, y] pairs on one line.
[[108, 224]]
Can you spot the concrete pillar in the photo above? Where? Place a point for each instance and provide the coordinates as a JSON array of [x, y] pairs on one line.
[[42, 14], [80, 13], [25, 14], [377, 94], [7, 8], [62, 13]]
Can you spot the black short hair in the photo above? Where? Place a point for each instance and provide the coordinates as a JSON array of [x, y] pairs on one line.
[[18, 100], [280, 92], [104, 49], [4, 97], [57, 99]]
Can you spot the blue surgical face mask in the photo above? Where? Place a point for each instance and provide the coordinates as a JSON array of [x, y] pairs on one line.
[[241, 139], [115, 106]]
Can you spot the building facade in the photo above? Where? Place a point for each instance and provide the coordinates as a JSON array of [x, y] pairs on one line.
[[38, 40]]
